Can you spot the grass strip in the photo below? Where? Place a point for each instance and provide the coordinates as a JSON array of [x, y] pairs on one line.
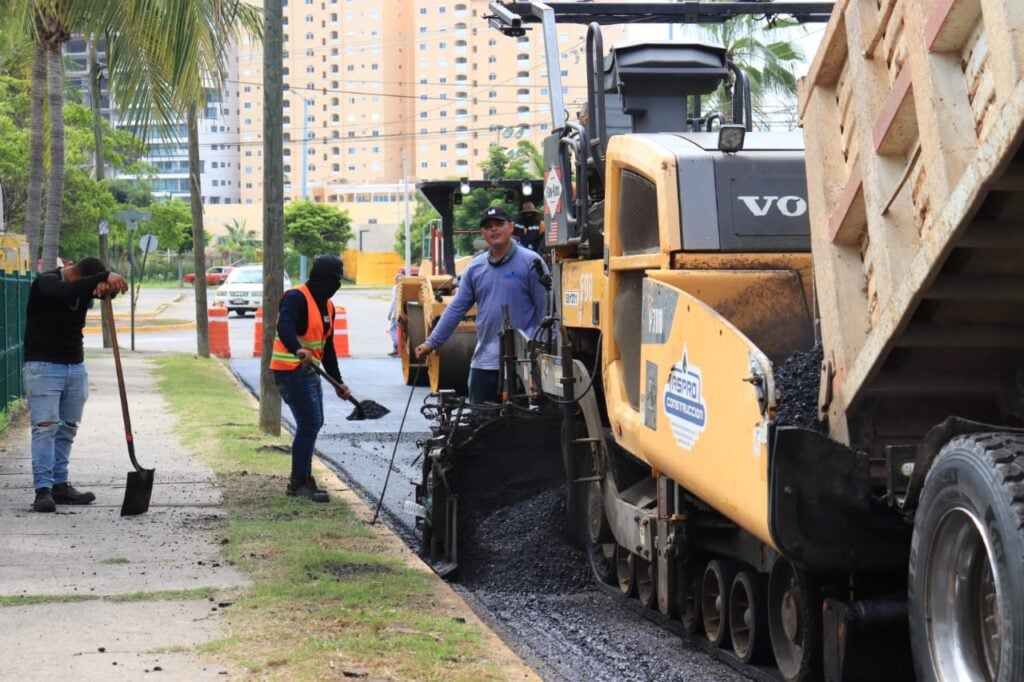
[[327, 595], [164, 595]]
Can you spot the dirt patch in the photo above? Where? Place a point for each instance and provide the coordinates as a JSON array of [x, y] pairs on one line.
[[346, 571]]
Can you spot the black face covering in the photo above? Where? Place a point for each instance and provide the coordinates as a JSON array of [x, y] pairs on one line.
[[325, 277]]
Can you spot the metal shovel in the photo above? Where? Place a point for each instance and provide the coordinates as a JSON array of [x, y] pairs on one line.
[[365, 409], [139, 487]]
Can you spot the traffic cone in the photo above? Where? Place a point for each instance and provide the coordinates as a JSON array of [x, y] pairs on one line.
[[257, 334], [341, 332], [220, 346]]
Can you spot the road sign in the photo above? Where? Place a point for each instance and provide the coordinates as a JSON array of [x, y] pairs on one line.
[[132, 217], [148, 243], [104, 227]]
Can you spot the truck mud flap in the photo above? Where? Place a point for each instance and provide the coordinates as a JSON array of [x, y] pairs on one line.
[[822, 512]]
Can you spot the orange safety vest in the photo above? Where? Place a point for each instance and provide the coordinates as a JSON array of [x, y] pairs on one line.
[[315, 338]]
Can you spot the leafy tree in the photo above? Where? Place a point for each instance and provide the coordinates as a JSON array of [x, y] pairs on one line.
[[239, 239], [171, 224], [418, 229], [767, 61], [312, 229]]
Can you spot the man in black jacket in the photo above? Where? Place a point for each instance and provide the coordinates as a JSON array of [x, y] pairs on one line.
[[305, 337], [56, 382]]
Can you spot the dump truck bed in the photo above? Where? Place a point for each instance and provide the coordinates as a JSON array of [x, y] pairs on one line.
[[913, 115]]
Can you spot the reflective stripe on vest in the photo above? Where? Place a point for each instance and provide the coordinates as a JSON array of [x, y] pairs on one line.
[[315, 338]]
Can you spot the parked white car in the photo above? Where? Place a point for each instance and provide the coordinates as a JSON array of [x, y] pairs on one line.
[[242, 291]]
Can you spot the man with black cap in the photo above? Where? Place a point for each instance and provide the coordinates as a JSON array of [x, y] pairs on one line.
[[505, 274], [305, 337], [56, 382]]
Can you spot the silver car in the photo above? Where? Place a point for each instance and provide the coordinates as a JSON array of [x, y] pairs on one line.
[[242, 291]]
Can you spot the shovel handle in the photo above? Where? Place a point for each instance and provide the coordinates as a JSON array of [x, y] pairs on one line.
[[108, 308], [334, 383]]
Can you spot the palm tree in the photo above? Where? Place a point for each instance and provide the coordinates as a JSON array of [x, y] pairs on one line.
[[767, 63], [161, 77]]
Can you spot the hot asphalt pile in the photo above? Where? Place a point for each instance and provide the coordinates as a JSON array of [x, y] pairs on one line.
[[796, 390], [519, 563]]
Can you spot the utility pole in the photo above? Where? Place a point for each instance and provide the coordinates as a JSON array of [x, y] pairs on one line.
[[408, 237], [273, 208], [305, 168]]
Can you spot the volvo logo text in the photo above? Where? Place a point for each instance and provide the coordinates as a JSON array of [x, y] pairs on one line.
[[790, 206]]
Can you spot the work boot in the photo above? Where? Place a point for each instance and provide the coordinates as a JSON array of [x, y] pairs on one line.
[[393, 353], [65, 493], [306, 488], [44, 501]]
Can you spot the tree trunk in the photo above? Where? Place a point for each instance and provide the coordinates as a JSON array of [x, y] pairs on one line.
[[273, 209], [97, 135], [198, 243], [55, 182], [36, 148]]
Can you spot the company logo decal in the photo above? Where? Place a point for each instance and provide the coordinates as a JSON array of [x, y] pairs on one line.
[[684, 402], [789, 206]]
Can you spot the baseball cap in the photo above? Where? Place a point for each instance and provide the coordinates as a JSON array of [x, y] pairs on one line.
[[495, 213]]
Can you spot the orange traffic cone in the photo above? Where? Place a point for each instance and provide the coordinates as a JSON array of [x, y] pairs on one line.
[[257, 334], [220, 346], [341, 332]]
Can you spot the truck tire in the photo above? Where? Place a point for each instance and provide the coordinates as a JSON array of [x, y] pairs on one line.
[[966, 586]]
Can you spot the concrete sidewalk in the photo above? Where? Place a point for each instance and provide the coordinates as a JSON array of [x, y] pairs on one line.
[[93, 551]]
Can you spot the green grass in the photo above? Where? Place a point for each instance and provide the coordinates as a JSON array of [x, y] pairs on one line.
[[166, 595], [8, 413], [328, 592]]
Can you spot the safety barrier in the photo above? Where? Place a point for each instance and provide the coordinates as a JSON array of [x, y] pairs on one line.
[[341, 332], [219, 343], [257, 334], [14, 289]]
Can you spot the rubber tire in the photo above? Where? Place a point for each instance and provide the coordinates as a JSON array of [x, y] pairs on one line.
[[809, 666], [722, 571], [755, 584], [982, 473]]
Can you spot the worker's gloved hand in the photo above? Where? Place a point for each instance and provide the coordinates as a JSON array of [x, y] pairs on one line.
[[343, 391], [423, 350]]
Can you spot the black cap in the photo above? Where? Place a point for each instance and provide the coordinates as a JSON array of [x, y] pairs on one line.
[[327, 266], [495, 213]]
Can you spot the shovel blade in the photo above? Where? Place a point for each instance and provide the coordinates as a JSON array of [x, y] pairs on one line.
[[368, 409], [137, 492]]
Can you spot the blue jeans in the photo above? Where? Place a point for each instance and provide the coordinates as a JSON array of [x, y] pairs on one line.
[[302, 392], [483, 386], [56, 398]]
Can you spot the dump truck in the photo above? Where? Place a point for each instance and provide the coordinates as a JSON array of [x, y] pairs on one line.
[[788, 367]]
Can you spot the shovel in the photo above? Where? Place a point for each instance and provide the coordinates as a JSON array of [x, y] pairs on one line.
[[366, 409], [140, 482]]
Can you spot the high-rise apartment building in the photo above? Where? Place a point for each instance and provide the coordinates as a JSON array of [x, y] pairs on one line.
[[168, 149], [372, 82]]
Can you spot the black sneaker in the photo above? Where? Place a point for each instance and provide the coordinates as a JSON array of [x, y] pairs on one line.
[[65, 493], [306, 488], [44, 501]]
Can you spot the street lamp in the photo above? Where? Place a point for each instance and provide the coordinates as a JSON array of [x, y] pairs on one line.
[[527, 188]]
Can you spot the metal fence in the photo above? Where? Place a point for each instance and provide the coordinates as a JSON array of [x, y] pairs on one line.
[[14, 289]]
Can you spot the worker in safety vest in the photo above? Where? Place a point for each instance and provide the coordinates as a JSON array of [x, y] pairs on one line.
[[305, 337]]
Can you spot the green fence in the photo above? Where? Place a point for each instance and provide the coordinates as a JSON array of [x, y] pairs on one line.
[[13, 298]]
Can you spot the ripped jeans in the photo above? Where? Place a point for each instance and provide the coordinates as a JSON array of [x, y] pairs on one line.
[[56, 398]]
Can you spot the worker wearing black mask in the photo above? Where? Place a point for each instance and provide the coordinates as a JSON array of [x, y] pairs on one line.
[[305, 337]]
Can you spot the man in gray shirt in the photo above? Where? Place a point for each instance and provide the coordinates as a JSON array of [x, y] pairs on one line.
[[503, 275]]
